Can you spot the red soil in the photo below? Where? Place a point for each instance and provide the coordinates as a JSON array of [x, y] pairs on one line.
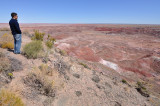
[[134, 48]]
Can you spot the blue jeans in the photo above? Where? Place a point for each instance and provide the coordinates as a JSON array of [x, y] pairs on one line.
[[17, 43]]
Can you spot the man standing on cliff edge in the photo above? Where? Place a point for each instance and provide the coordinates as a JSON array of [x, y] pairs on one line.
[[16, 32]]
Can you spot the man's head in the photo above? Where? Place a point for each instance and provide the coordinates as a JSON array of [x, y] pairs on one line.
[[14, 15]]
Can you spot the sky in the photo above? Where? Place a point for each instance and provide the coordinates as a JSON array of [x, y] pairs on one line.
[[82, 11]]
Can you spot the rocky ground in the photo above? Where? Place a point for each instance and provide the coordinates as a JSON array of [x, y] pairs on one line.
[[84, 80], [131, 50]]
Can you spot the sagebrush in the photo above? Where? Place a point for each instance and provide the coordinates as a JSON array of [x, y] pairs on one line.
[[33, 49]]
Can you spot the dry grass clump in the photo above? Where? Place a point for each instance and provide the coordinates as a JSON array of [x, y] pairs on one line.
[[33, 49], [6, 70], [27, 33], [4, 63], [4, 29], [6, 41], [61, 66], [2, 54], [8, 98], [8, 45], [39, 81], [44, 68], [38, 35]]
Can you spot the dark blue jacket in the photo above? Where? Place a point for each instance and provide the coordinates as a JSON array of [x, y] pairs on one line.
[[14, 26]]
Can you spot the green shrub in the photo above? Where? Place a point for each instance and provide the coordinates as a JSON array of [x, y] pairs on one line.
[[49, 44], [10, 74], [142, 89], [50, 41], [62, 52], [141, 85], [38, 35], [33, 49], [124, 81], [84, 65], [8, 98]]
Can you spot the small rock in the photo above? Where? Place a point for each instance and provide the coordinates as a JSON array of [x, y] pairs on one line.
[[108, 85], [76, 75], [66, 77], [78, 93], [96, 79], [117, 104], [48, 101], [45, 60], [99, 86], [142, 93]]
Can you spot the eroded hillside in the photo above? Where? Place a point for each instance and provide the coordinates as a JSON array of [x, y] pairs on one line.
[[84, 67]]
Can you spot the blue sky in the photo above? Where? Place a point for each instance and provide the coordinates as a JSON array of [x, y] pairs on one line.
[[82, 11]]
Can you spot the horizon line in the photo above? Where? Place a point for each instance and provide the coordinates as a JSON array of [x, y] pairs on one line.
[[90, 23]]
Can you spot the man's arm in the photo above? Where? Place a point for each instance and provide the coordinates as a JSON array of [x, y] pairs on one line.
[[17, 27]]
